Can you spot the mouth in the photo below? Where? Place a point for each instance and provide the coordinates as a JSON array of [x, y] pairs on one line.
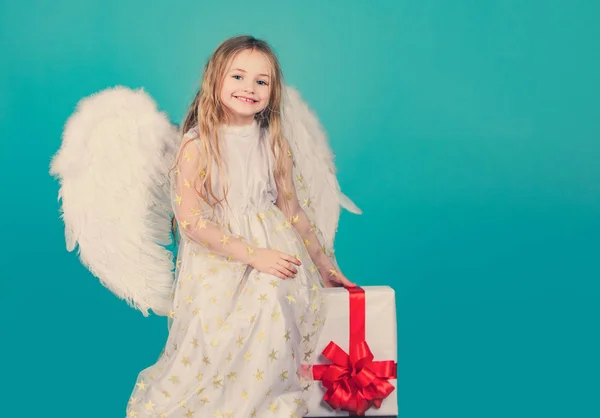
[[245, 99]]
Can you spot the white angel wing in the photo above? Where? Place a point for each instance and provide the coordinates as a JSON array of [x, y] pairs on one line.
[[315, 178], [113, 167]]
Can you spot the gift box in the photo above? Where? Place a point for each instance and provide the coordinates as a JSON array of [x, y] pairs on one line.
[[356, 370]]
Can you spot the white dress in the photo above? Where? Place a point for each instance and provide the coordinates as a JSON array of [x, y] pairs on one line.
[[239, 338]]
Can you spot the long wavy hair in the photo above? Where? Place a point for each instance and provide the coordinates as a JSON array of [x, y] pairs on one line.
[[206, 113]]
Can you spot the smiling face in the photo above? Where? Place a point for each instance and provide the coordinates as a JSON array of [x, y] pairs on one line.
[[246, 86]]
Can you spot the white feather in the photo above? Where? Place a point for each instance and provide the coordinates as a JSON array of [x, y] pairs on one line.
[[314, 168], [113, 164], [113, 167]]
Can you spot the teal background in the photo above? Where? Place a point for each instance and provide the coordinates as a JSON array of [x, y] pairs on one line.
[[467, 131]]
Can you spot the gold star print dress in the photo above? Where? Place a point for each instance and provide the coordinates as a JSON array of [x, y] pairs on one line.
[[239, 338]]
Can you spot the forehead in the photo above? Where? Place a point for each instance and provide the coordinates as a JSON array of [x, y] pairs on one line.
[[252, 61]]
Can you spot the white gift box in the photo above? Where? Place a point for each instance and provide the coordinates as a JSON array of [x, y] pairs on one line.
[[380, 335]]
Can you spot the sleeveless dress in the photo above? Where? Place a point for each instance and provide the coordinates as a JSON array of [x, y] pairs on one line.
[[240, 340]]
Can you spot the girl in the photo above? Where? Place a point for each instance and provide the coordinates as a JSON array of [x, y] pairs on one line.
[[246, 305]]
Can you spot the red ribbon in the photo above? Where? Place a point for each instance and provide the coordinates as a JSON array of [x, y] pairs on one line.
[[355, 382]]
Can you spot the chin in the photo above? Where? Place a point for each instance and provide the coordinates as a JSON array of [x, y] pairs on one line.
[[244, 112]]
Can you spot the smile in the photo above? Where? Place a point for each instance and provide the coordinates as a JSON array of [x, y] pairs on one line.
[[246, 99]]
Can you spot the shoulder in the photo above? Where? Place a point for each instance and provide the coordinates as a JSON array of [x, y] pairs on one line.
[[190, 145], [192, 133], [191, 136]]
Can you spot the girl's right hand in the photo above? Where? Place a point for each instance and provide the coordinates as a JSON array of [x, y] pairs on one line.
[[275, 262]]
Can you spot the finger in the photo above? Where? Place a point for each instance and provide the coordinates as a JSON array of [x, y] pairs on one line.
[[348, 283], [281, 273], [276, 273], [344, 281], [286, 268], [329, 283], [290, 258], [287, 265]]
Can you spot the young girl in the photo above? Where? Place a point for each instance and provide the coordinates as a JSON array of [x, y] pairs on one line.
[[246, 305]]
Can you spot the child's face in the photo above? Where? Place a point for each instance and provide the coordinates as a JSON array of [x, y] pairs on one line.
[[246, 87]]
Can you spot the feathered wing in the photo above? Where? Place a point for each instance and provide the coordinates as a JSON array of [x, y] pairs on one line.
[[315, 176], [113, 163]]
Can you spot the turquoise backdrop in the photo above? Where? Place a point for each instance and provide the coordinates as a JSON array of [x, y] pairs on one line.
[[468, 132]]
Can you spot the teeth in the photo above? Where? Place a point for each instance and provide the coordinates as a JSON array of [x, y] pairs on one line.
[[246, 100]]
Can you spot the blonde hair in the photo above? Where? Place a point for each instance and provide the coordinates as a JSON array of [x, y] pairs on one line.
[[206, 113]]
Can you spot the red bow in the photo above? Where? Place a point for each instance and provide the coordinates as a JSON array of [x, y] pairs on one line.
[[355, 382]]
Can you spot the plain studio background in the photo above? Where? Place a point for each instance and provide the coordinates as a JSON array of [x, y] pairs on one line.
[[467, 131]]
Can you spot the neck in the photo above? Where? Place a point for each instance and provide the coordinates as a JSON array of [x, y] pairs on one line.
[[240, 123], [240, 129], [237, 120]]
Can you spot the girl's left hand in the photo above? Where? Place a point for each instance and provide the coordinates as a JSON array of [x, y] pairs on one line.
[[335, 278]]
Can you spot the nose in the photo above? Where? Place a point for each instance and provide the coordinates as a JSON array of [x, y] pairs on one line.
[[248, 89]]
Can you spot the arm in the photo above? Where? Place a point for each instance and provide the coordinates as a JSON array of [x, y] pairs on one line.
[[194, 215], [289, 204]]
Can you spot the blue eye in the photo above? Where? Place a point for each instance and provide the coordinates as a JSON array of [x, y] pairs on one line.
[[236, 77], [262, 83]]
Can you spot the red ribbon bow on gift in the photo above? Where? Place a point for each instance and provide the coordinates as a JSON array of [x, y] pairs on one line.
[[355, 382]]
